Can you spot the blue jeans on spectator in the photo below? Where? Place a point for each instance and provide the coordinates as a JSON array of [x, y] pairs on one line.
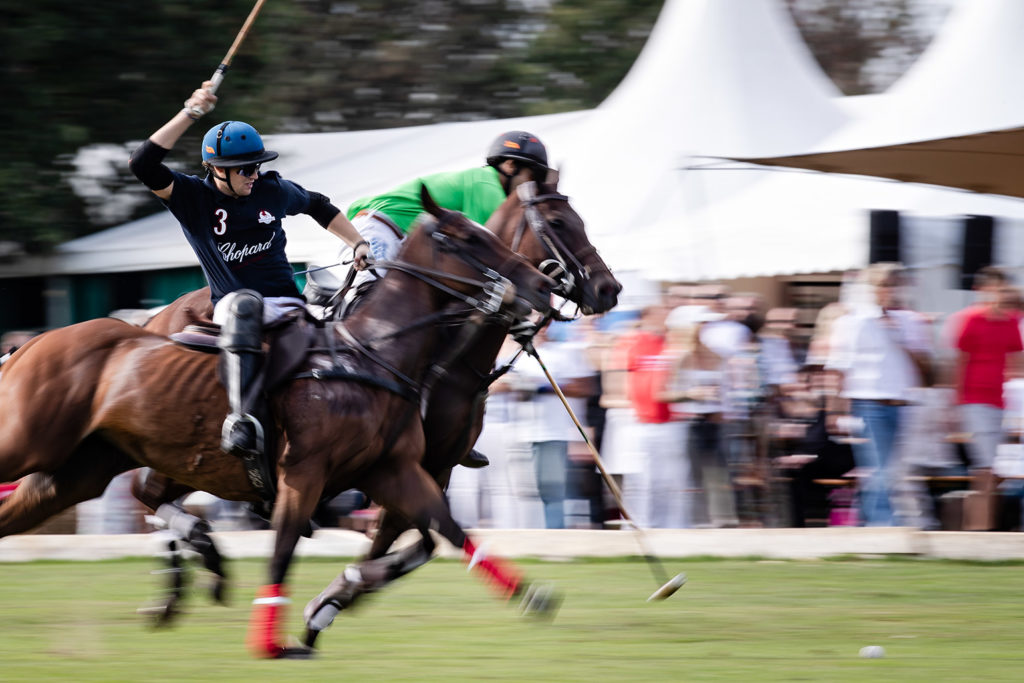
[[551, 464], [874, 455]]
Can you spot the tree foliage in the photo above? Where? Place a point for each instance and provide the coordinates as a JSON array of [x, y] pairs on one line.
[[109, 72]]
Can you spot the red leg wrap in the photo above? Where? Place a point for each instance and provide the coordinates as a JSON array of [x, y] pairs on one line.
[[268, 611], [504, 577]]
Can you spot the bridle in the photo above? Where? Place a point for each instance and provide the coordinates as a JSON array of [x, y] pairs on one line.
[[491, 286], [563, 265]]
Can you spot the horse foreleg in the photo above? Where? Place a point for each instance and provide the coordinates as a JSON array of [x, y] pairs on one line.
[[391, 525], [298, 494], [359, 579], [160, 494], [413, 493]]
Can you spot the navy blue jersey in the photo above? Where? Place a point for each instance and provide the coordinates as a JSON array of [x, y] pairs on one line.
[[239, 240]]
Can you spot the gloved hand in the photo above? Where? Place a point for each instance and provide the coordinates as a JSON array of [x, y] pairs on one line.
[[202, 101], [523, 331], [362, 256]]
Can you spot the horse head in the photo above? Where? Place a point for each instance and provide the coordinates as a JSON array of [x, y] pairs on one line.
[[464, 251], [539, 223]]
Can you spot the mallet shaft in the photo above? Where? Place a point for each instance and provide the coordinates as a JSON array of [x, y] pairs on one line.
[[659, 571]]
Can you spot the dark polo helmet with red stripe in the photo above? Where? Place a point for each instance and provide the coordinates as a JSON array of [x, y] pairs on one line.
[[519, 145]]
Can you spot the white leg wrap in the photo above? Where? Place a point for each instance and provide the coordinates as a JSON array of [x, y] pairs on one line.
[[178, 521]]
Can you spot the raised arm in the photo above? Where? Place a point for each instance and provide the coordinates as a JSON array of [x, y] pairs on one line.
[[147, 159]]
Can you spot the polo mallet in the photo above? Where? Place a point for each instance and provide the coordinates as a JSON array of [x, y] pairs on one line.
[[218, 75], [667, 586]]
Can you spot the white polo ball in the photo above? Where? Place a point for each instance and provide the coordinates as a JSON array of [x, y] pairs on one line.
[[872, 652]]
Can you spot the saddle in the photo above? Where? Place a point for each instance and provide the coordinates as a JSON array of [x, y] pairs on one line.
[[286, 344]]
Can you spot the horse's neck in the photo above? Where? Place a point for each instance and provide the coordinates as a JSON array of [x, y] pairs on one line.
[[478, 360], [387, 321]]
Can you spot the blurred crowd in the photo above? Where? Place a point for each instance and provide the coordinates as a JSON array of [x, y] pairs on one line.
[[708, 409], [711, 410]]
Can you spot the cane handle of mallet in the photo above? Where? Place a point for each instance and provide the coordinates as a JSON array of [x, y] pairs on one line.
[[217, 78], [215, 81], [218, 75]]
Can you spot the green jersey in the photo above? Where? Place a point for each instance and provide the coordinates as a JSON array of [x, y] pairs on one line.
[[476, 192]]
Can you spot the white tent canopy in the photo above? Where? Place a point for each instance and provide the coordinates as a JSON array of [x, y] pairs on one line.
[[956, 118], [714, 75]]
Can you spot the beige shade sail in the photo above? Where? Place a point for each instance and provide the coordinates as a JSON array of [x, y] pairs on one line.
[[991, 162]]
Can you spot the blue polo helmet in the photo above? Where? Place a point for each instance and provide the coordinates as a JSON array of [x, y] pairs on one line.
[[234, 143]]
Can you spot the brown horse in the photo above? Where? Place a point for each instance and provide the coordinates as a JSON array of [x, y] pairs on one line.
[[101, 397]]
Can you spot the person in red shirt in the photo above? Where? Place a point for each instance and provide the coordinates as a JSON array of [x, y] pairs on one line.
[[988, 339], [660, 439]]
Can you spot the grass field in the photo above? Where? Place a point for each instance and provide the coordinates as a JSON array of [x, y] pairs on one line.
[[735, 620]]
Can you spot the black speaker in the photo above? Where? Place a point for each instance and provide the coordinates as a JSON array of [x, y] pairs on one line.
[[885, 237], [977, 248]]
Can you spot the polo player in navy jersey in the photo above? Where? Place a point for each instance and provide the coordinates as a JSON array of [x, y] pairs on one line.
[[232, 219]]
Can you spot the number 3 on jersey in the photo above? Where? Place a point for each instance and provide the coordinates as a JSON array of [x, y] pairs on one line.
[[222, 225]]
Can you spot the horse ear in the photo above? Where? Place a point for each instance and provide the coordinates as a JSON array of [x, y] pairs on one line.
[[428, 202]]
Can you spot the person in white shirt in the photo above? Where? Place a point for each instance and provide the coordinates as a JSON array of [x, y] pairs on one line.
[[883, 353], [551, 429]]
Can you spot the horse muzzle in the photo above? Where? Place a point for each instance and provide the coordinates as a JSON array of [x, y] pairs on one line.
[[600, 295], [535, 296]]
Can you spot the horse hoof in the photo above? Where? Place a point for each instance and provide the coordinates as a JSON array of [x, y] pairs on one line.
[[160, 615], [219, 591], [311, 636], [296, 650], [540, 600]]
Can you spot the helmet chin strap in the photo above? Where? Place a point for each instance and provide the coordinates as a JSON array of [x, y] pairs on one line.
[[226, 180]]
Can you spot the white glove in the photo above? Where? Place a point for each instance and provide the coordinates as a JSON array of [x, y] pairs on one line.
[[201, 102]]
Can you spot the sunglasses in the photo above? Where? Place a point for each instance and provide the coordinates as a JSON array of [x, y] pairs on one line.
[[248, 170]]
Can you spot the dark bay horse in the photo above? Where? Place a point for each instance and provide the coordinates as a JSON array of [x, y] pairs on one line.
[[89, 401]]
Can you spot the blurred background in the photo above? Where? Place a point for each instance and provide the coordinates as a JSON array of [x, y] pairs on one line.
[[653, 112]]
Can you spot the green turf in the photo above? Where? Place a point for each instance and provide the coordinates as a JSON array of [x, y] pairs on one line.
[[735, 620]]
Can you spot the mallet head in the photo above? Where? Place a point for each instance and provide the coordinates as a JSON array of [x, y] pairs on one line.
[[670, 587]]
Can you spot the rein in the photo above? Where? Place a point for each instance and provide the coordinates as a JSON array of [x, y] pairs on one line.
[[562, 257], [493, 288]]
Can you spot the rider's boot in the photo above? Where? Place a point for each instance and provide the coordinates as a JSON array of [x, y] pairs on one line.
[[474, 460], [240, 340]]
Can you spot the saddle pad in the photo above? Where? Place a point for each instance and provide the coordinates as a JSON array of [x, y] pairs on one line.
[[195, 340]]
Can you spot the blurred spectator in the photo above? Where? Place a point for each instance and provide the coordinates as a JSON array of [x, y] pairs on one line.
[[818, 451], [988, 337], [726, 334], [659, 438], [620, 452], [697, 387], [778, 362], [882, 350], [744, 394], [550, 428]]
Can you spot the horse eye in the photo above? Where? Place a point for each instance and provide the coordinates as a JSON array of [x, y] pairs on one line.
[[556, 223]]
